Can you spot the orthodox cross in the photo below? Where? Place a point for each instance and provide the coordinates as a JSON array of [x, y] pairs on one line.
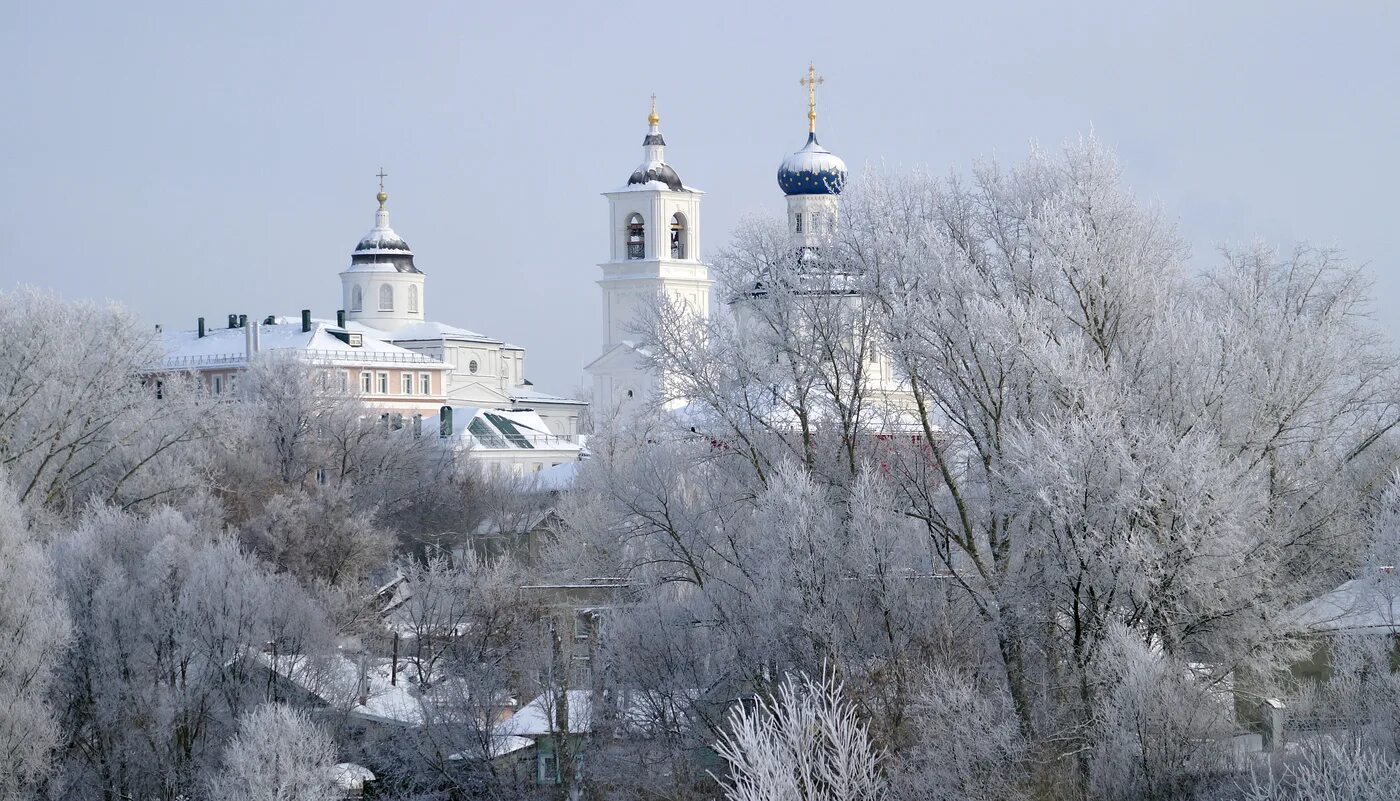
[[812, 81], [653, 118], [382, 175]]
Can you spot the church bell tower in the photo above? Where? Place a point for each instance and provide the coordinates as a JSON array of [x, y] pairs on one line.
[[654, 254]]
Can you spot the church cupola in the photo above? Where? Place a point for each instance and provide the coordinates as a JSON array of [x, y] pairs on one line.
[[813, 170], [654, 166], [382, 287], [812, 178]]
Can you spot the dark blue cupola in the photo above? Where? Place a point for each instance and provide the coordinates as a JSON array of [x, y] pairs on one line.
[[813, 170]]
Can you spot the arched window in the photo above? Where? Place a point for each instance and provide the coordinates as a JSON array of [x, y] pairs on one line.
[[636, 237], [678, 235], [357, 298], [386, 297], [412, 298]]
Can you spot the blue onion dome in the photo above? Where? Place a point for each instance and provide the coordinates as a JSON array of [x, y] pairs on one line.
[[813, 170]]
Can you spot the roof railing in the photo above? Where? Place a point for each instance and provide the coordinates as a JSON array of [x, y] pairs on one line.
[[355, 356]]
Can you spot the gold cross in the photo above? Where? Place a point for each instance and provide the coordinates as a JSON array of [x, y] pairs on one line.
[[653, 118], [382, 175], [812, 81]]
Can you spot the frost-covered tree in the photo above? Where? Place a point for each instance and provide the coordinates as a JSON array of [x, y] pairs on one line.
[[803, 743], [35, 628], [966, 744], [1330, 770], [278, 754], [77, 419], [1084, 442], [173, 625]]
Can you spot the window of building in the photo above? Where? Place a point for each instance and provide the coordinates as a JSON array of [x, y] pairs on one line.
[[383, 383], [678, 236], [366, 383], [218, 385], [407, 381], [816, 223], [233, 384], [357, 299], [472, 365], [636, 237], [580, 672], [386, 297], [797, 222], [547, 768], [344, 381], [425, 383], [412, 298], [322, 477]]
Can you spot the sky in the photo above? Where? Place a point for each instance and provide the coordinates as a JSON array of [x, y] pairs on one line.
[[200, 159]]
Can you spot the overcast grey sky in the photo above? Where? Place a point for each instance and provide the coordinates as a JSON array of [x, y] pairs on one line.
[[195, 159]]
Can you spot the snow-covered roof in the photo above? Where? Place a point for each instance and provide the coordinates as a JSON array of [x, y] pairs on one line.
[[422, 332], [540, 716], [351, 777], [652, 186], [228, 346], [501, 746], [501, 430], [559, 478], [335, 679], [1368, 603], [643, 712], [523, 394]]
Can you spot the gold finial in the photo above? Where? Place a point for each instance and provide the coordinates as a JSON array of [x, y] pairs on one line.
[[812, 81], [653, 118], [382, 196]]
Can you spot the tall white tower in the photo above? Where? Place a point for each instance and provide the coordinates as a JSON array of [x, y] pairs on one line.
[[654, 236], [382, 288]]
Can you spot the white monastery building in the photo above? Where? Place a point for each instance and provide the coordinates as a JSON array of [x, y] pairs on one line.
[[383, 348], [655, 258]]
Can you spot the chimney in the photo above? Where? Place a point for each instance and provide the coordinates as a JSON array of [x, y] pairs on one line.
[[340, 318], [201, 328], [242, 321], [250, 338], [271, 319], [305, 320], [233, 321], [157, 328]]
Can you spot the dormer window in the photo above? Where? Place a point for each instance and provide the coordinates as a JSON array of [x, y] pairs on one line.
[[636, 237], [678, 236]]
